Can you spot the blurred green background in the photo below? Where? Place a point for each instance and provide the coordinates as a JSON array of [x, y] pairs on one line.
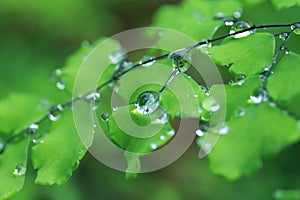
[[37, 36]]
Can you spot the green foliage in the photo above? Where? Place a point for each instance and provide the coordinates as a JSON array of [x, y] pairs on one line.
[[282, 84], [246, 56], [13, 168], [255, 130], [59, 152]]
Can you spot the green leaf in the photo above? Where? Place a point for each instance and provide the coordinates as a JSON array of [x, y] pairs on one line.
[[237, 95], [248, 55], [194, 18], [286, 3], [132, 137], [58, 155], [13, 162], [19, 110], [264, 130], [283, 83]]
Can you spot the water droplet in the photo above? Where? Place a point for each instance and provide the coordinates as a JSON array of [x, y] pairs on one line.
[[147, 102], [57, 72], [240, 79], [162, 137], [228, 22], [114, 108], [205, 89], [33, 128], [283, 36], [239, 26], [85, 44], [239, 112], [60, 85], [94, 99], [296, 28], [238, 13], [37, 141], [162, 117], [147, 59], [211, 105], [2, 144], [220, 15], [258, 96], [204, 48], [224, 130], [19, 170], [54, 116], [105, 117], [203, 128], [117, 57], [179, 60], [153, 146], [171, 132], [59, 107]]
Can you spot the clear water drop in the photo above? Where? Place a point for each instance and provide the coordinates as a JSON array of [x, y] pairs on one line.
[[114, 108], [204, 48], [59, 107], [238, 13], [228, 22], [179, 61], [85, 44], [162, 137], [258, 96], [240, 112], [205, 89], [19, 170], [54, 116], [162, 118], [211, 105], [203, 128], [147, 102], [240, 79], [283, 36], [2, 144], [105, 117], [220, 15], [94, 99], [171, 132], [117, 57], [224, 130], [239, 26], [153, 145], [37, 141], [147, 59], [296, 28], [33, 128], [60, 85]]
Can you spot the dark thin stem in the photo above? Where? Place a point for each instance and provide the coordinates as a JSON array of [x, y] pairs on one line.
[[164, 56]]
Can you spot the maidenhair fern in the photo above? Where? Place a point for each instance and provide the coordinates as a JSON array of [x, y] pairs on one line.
[[135, 103]]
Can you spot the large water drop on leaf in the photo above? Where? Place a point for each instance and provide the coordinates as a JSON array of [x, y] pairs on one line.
[[239, 26], [147, 102], [19, 170]]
